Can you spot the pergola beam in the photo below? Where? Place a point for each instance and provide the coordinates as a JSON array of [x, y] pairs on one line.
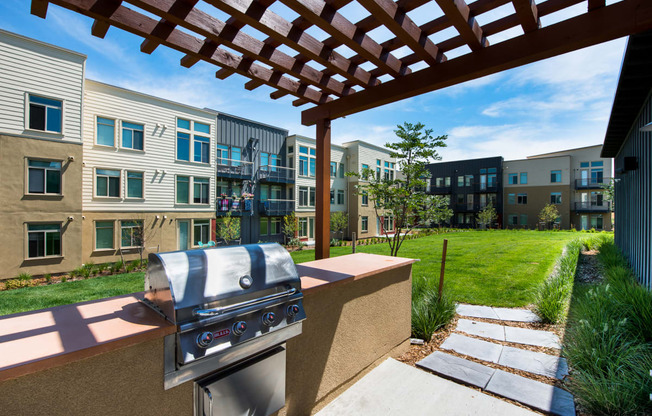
[[138, 24], [39, 8], [398, 22], [527, 13], [595, 4], [258, 17], [601, 25], [460, 16], [330, 21]]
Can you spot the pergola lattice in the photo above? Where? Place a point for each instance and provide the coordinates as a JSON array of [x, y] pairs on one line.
[[349, 71]]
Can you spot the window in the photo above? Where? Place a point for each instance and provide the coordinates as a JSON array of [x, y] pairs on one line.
[[222, 154], [460, 198], [469, 180], [492, 179], [377, 174], [511, 199], [521, 199], [264, 192], [191, 136], [312, 197], [236, 156], [513, 219], [134, 184], [303, 227], [103, 235], [105, 132], [332, 196], [201, 232], [43, 177], [596, 222], [333, 169], [45, 114], [276, 192], [340, 197], [183, 189], [43, 240], [200, 190], [364, 167], [555, 197], [512, 179], [597, 163], [132, 135], [303, 165], [307, 161], [264, 159], [523, 219], [388, 223], [276, 225], [131, 233], [523, 178], [365, 198], [264, 226], [107, 183], [377, 162], [303, 196], [439, 182], [290, 149], [584, 164], [364, 224], [341, 170], [460, 181], [555, 176], [447, 181], [222, 188]]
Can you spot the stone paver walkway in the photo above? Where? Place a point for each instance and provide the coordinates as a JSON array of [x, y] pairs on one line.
[[533, 393]]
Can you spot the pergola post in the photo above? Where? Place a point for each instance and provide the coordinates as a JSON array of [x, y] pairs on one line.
[[322, 203]]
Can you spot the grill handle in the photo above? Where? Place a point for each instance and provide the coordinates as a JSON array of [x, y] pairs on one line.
[[219, 311]]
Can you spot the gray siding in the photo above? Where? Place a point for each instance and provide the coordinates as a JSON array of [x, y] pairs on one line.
[[633, 205]]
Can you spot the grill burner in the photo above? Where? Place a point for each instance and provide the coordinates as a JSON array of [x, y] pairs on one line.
[[231, 306]]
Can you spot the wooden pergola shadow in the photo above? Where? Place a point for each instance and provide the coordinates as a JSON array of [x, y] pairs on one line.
[[318, 73]]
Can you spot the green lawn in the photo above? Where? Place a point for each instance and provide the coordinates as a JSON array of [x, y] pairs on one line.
[[500, 268]]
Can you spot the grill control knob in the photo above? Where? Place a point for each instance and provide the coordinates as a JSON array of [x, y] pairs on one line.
[[239, 328], [204, 339], [292, 310], [268, 318]]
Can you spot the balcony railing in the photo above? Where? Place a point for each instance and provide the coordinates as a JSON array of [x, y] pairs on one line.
[[271, 173], [234, 206], [276, 207], [230, 168], [485, 187], [591, 183], [444, 189], [605, 206], [465, 207]]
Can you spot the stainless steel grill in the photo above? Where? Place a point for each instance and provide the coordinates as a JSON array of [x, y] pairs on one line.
[[231, 306]]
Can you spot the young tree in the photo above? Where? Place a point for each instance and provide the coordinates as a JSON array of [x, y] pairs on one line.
[[487, 215], [143, 232], [404, 197], [339, 222], [609, 193], [290, 228], [549, 215], [229, 228], [438, 209]]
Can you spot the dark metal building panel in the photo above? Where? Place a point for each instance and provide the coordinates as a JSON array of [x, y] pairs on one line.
[[462, 168]]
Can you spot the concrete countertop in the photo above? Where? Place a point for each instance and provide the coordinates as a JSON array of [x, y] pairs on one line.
[[37, 340]]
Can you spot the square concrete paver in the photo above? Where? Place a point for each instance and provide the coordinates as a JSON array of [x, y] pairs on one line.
[[483, 350], [532, 337], [457, 369], [534, 362], [532, 393], [394, 388], [516, 315], [482, 329], [476, 311]]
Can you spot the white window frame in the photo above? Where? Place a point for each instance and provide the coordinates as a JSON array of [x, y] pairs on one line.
[[112, 248], [122, 127], [27, 232], [176, 190], [63, 112], [96, 131], [142, 225], [192, 191], [364, 221], [44, 193], [340, 192], [274, 223], [95, 176], [207, 224], [192, 133], [142, 186]]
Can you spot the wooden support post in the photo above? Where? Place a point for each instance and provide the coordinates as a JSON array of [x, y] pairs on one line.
[[353, 242], [443, 268], [322, 203]]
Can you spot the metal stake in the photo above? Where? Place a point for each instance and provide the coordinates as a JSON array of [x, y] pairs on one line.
[[443, 267]]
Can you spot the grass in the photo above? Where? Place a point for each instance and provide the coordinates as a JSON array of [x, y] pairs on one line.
[[39, 297], [498, 268], [608, 340]]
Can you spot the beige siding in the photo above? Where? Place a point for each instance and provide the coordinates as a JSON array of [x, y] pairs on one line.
[[157, 161], [29, 66]]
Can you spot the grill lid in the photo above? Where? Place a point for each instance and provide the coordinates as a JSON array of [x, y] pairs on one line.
[[179, 282]]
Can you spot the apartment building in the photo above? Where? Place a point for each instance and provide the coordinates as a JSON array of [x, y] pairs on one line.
[[41, 88], [254, 182], [571, 179], [470, 185], [148, 174], [363, 220]]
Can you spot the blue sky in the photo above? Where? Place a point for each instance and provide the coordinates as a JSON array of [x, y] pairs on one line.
[[551, 105]]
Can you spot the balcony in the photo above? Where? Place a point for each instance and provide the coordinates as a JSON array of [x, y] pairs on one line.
[[485, 187], [440, 190], [591, 183], [234, 169], [605, 206], [276, 174], [276, 207], [465, 207], [235, 206]]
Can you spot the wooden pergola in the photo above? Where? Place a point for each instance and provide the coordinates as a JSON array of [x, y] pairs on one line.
[[319, 73]]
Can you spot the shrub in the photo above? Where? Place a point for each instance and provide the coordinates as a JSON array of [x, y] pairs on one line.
[[48, 277], [25, 277], [78, 272], [100, 268], [14, 284], [129, 267], [89, 266], [85, 272], [117, 267], [429, 311], [64, 279]]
